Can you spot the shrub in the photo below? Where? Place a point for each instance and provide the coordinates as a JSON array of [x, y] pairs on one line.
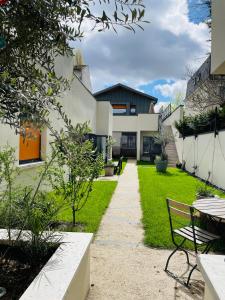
[[26, 208], [204, 122], [79, 167], [204, 192]]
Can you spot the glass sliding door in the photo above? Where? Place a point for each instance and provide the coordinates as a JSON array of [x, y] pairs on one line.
[[129, 144], [150, 148]]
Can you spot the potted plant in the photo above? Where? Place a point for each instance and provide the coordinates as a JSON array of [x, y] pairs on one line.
[[161, 163], [204, 192], [163, 139], [109, 168], [178, 165]]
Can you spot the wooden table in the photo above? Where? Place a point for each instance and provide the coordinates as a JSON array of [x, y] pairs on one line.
[[214, 207]]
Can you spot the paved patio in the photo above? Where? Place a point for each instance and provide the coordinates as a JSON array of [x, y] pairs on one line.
[[122, 267]]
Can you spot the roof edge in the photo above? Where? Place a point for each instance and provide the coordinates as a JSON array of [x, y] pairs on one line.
[[127, 88]]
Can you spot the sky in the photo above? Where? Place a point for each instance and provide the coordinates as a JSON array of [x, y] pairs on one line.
[[155, 60]]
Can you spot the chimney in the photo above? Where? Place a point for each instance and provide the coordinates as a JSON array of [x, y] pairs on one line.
[[80, 69]]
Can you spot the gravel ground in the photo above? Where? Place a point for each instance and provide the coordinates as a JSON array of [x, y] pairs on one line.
[[122, 267]]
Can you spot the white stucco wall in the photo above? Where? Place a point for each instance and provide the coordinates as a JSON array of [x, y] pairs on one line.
[[218, 39], [104, 118], [79, 105], [206, 152], [141, 122], [78, 102]]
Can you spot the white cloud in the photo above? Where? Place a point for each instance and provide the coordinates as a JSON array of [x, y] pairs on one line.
[[168, 44], [173, 89]]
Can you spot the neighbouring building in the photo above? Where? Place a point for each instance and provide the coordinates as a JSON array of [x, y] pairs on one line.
[[204, 89], [135, 124], [80, 106]]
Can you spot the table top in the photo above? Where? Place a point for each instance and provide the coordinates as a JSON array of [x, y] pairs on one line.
[[212, 268], [211, 206]]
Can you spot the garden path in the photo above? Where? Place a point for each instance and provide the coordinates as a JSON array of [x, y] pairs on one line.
[[122, 267]]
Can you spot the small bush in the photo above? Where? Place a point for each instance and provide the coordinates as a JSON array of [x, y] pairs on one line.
[[204, 122], [204, 192]]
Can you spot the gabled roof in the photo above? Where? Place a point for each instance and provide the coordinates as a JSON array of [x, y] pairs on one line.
[[120, 85]]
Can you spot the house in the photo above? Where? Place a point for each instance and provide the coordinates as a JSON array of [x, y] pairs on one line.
[[134, 122], [80, 106]]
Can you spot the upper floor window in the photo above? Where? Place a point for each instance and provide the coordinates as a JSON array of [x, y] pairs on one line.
[[119, 109], [30, 144], [133, 109]]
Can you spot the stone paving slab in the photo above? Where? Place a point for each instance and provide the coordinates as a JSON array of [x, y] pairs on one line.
[[122, 268]]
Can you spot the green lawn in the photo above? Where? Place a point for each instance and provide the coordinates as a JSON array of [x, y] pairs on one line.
[[91, 214], [154, 189]]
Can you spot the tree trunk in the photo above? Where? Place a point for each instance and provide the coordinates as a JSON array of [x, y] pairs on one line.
[[74, 215]]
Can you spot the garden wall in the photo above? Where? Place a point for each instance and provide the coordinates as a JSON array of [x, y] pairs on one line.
[[204, 155]]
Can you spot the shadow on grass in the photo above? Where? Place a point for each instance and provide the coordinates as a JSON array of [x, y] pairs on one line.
[[167, 174], [144, 163], [68, 226]]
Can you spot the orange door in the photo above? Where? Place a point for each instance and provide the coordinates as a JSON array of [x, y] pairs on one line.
[[30, 145]]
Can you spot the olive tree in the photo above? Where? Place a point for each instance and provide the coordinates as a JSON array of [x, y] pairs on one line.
[[33, 33], [80, 165]]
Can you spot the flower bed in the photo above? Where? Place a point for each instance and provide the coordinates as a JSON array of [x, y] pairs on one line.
[[66, 274], [17, 271]]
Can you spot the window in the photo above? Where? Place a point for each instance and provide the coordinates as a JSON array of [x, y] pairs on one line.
[[30, 144], [147, 145], [119, 109], [133, 109], [128, 141], [150, 147]]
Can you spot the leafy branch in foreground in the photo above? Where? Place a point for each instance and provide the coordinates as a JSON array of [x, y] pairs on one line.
[[34, 33]]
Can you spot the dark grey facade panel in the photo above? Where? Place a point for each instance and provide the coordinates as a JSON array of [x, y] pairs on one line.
[[123, 96]]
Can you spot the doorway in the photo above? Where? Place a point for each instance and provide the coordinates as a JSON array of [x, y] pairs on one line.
[[129, 144]]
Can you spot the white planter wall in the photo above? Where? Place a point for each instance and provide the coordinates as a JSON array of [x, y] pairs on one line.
[[66, 275]]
